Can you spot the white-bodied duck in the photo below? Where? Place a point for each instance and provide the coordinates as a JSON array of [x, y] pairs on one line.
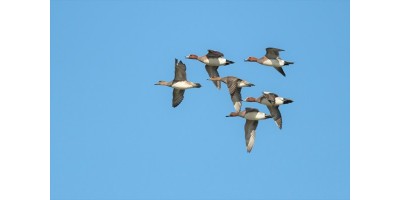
[[252, 115], [213, 59], [180, 84], [271, 58], [272, 101]]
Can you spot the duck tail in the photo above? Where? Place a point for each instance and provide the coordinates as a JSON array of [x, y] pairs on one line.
[[229, 62], [288, 63], [287, 101]]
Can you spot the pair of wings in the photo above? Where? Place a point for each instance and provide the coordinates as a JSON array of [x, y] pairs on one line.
[[273, 53], [180, 75], [211, 70], [273, 109]]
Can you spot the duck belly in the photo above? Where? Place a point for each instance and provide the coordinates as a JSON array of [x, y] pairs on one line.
[[182, 85], [273, 62], [255, 116], [215, 61]]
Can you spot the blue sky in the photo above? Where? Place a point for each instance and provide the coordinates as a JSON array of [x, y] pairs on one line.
[[114, 134]]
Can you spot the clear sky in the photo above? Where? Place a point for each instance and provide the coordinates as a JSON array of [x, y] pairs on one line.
[[114, 134]]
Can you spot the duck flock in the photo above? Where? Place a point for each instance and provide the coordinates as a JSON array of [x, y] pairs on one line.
[[214, 59]]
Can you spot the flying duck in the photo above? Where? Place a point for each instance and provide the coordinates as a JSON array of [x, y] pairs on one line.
[[234, 85], [272, 101], [180, 84], [271, 58], [252, 115], [213, 59]]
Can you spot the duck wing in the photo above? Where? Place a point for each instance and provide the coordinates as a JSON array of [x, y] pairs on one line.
[[250, 133], [180, 71], [272, 53], [280, 70], [236, 98], [177, 97], [214, 54], [213, 72], [276, 114]]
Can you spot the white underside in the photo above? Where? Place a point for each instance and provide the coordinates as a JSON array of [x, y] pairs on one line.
[[274, 62], [278, 101], [215, 61], [255, 116], [182, 85], [241, 84]]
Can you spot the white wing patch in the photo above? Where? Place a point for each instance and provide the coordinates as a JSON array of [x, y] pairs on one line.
[[266, 92], [251, 140], [237, 106]]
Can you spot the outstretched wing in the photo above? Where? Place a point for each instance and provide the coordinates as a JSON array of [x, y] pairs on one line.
[[272, 53], [213, 72], [231, 82], [250, 133], [251, 110], [274, 110], [214, 54], [276, 114], [177, 97], [180, 71], [236, 98], [280, 70]]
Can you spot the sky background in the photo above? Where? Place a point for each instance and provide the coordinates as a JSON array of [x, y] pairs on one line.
[[114, 134]]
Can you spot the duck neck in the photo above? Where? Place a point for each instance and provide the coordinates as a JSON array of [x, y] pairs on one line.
[[164, 83], [252, 59], [252, 99], [233, 114]]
